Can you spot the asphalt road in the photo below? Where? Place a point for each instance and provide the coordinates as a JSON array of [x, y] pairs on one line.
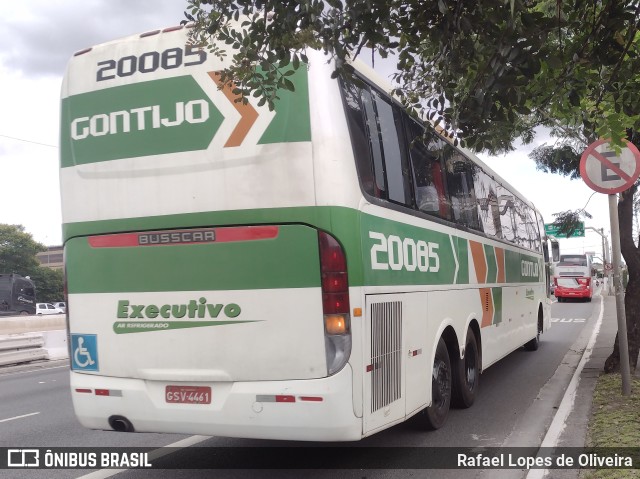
[[516, 402]]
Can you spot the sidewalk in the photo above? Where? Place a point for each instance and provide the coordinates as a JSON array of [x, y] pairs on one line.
[[575, 431]]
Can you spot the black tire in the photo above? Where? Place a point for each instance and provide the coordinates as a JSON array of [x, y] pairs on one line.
[[436, 414], [466, 374], [534, 343]]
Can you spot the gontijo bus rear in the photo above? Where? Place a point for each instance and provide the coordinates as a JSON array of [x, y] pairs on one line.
[[243, 272]]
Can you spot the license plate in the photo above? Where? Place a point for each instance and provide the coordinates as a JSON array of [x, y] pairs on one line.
[[188, 394]]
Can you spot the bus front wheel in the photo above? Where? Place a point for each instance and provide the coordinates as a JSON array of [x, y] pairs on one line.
[[436, 414], [466, 374]]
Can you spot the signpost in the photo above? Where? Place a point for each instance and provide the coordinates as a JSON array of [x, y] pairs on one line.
[[606, 171], [552, 230]]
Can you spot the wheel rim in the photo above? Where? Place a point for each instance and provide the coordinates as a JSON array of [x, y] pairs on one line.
[[441, 383]]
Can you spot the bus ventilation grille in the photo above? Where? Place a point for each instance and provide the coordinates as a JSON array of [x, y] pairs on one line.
[[386, 344]]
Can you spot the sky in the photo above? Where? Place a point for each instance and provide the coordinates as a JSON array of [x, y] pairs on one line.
[[37, 39]]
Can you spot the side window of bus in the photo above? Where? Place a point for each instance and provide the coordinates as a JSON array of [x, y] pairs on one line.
[[394, 150], [459, 171], [508, 213], [379, 145], [543, 240], [425, 151], [374, 143], [522, 235], [486, 189], [359, 138], [532, 230]]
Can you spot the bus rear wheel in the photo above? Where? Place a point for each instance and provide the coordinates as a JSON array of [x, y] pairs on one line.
[[436, 415], [466, 374], [534, 343]]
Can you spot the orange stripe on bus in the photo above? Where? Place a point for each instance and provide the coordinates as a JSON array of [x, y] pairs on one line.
[[487, 307], [248, 114], [479, 261]]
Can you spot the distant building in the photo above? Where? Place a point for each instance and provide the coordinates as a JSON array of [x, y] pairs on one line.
[[52, 257]]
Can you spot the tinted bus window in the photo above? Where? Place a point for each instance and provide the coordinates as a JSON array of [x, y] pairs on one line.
[[425, 151], [359, 139], [374, 143], [395, 162], [459, 171]]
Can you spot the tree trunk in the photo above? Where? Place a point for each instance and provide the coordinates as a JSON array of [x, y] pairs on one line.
[[631, 255]]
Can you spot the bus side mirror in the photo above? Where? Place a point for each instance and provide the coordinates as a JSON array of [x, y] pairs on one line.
[[555, 251]]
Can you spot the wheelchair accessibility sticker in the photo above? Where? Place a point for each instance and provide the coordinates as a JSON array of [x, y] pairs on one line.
[[84, 350]]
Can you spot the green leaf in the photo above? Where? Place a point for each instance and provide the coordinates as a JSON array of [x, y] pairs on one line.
[[288, 84]]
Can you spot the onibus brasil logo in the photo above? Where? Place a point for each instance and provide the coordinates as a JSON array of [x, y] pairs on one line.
[[138, 318]]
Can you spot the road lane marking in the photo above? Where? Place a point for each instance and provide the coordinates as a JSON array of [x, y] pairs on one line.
[[13, 373], [568, 320], [155, 454], [19, 417], [559, 421]]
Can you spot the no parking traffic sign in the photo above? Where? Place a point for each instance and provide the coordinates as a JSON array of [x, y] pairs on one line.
[[606, 171]]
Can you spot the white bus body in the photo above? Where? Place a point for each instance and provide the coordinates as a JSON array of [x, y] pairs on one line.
[[243, 272]]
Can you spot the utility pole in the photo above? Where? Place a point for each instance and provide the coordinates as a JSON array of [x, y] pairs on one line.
[[605, 257]]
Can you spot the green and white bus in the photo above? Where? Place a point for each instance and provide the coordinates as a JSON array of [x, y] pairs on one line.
[[321, 271]]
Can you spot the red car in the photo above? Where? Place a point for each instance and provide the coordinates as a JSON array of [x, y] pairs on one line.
[[571, 287]]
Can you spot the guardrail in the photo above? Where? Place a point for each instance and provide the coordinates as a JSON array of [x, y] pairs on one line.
[[22, 348], [32, 338]]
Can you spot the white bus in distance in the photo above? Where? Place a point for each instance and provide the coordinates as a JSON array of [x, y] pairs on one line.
[[573, 278]]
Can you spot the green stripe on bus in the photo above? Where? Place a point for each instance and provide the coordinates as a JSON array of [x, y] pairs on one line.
[[492, 268], [462, 246], [497, 305], [428, 257], [289, 261], [292, 121], [339, 221]]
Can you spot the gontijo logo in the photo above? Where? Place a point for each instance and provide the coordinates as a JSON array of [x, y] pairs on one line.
[[529, 268], [139, 119]]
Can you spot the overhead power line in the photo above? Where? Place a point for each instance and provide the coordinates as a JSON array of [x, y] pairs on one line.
[[28, 141]]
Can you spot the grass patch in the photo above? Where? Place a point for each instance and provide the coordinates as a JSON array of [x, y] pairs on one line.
[[614, 423]]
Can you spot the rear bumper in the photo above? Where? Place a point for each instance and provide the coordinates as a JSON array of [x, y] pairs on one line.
[[235, 409], [573, 293]]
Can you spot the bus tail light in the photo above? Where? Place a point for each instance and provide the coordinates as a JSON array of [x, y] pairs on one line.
[[584, 281], [335, 302], [335, 324]]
